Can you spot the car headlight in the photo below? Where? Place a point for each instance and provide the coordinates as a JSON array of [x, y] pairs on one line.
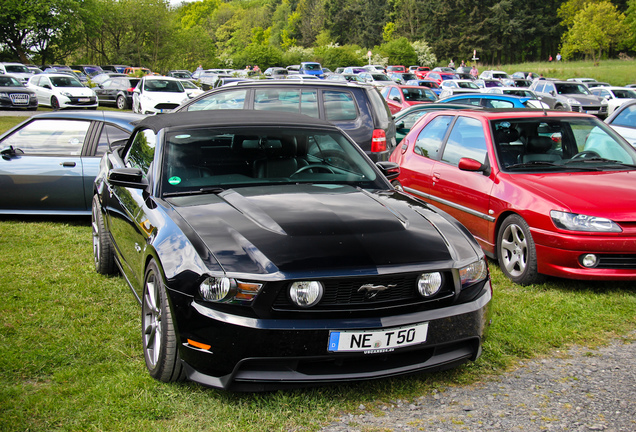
[[224, 289], [573, 101], [473, 272], [579, 222], [306, 293], [4, 95], [67, 94], [603, 101]]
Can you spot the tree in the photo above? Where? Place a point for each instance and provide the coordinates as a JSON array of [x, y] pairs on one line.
[[596, 28], [50, 29]]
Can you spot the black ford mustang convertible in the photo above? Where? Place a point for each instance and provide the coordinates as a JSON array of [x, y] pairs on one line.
[[267, 251]]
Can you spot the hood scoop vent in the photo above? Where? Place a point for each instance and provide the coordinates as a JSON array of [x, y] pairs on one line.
[[251, 211]]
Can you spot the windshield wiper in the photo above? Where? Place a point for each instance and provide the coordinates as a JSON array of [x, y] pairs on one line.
[[205, 190], [534, 164], [601, 160]]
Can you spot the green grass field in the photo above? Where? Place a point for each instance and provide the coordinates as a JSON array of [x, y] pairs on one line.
[[71, 356]]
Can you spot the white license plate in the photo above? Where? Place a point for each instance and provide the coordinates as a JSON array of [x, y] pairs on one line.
[[374, 340], [591, 112], [84, 99]]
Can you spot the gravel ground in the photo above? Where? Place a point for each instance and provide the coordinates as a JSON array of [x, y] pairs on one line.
[[581, 389]]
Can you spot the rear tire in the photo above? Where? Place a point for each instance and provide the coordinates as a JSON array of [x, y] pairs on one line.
[[122, 103], [516, 251], [159, 339], [103, 252]]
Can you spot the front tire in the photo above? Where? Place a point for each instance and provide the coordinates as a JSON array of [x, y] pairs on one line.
[[158, 335], [516, 251], [55, 104], [103, 253]]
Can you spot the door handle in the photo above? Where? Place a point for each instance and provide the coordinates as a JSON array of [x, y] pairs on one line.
[[68, 164]]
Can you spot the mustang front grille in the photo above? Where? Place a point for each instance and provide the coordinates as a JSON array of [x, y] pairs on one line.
[[348, 293]]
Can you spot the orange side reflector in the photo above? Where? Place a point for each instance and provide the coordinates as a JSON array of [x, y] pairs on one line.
[[199, 345]]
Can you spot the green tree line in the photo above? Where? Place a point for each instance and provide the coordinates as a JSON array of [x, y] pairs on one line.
[[236, 33]]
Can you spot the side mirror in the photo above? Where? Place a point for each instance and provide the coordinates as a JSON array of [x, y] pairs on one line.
[[117, 144], [390, 170], [46, 86], [400, 124], [396, 98], [127, 177], [468, 164], [553, 93]]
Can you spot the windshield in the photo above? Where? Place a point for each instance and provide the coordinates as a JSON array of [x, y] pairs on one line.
[[419, 94], [17, 69], [212, 159], [159, 85], [560, 144], [625, 94], [380, 77], [572, 88], [312, 66], [7, 81], [468, 85], [521, 93], [65, 81]]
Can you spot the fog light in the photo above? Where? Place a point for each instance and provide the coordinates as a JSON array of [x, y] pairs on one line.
[[306, 293], [215, 288], [589, 260], [429, 284]]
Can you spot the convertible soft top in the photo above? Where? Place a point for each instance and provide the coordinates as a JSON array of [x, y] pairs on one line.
[[228, 118]]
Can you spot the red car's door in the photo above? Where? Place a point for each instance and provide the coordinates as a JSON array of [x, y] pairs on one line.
[[464, 194], [417, 158]]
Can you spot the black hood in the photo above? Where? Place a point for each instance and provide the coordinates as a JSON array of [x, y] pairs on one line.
[[320, 229]]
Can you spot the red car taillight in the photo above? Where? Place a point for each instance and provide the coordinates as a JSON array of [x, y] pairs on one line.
[[378, 141], [130, 90]]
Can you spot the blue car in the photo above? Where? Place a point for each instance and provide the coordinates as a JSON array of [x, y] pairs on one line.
[[311, 68], [488, 100], [49, 162]]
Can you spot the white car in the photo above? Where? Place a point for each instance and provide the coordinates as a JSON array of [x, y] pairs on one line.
[[157, 94], [498, 75], [623, 121], [458, 86], [60, 91], [377, 79], [615, 96], [521, 92]]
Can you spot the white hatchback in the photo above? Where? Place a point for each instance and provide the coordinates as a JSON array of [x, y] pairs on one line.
[[158, 94], [60, 91]]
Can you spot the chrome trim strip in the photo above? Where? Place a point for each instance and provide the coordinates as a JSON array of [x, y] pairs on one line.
[[450, 204]]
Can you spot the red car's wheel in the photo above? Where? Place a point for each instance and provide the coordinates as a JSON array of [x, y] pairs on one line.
[[516, 251]]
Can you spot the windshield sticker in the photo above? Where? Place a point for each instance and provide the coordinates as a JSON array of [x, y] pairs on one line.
[[174, 180]]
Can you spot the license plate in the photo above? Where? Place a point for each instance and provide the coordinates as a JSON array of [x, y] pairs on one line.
[[84, 99], [591, 112], [377, 340]]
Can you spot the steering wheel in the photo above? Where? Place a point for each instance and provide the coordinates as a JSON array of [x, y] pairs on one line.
[[585, 154], [324, 168]]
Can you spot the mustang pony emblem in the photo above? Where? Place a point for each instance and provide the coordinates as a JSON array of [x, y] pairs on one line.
[[371, 290]]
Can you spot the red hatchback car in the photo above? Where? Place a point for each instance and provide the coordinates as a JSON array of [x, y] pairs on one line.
[[545, 193], [399, 97]]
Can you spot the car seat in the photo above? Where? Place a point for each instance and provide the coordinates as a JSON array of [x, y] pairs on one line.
[[537, 149]]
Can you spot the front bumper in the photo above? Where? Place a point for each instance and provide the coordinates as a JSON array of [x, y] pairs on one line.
[[560, 255], [78, 101], [249, 354]]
